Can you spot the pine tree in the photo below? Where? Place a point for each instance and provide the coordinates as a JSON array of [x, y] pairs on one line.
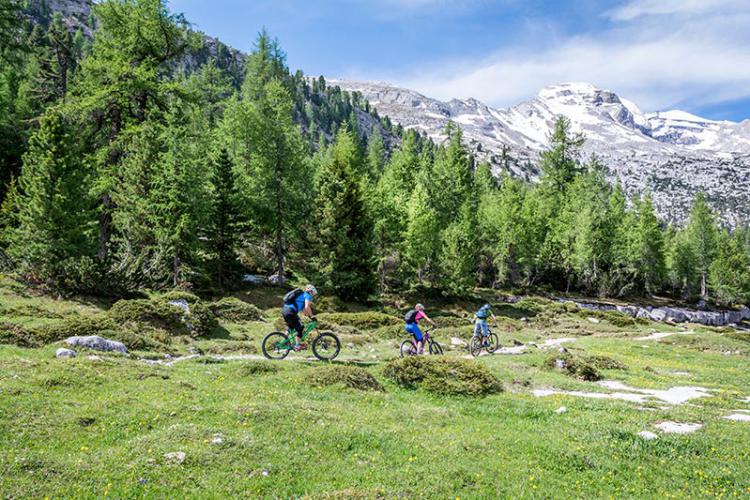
[[345, 259], [458, 255], [422, 236], [54, 212], [375, 155], [702, 234], [682, 263], [224, 218], [266, 62]]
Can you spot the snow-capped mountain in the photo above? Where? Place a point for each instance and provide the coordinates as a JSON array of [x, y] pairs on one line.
[[673, 154]]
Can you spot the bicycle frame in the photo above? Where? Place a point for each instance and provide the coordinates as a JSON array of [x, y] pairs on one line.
[[292, 333]]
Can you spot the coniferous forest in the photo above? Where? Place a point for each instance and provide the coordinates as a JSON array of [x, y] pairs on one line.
[[123, 168]]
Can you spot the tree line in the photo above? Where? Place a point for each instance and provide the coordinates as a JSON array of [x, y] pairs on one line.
[[126, 173]]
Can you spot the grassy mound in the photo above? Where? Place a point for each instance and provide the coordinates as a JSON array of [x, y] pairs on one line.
[[361, 320], [258, 368], [350, 376], [615, 318], [76, 326], [236, 310], [606, 363], [445, 376], [575, 366]]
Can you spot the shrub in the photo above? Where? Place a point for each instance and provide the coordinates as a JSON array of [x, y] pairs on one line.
[[444, 376], [259, 368], [233, 309], [180, 295], [575, 366], [605, 363], [229, 346], [29, 311], [155, 313], [138, 341], [390, 332], [12, 334], [616, 318], [75, 326], [362, 320], [353, 377]]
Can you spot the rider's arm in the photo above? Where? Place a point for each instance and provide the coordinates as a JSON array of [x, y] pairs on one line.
[[307, 311], [493, 317], [429, 320]]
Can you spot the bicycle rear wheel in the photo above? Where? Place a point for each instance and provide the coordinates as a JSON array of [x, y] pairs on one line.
[[435, 348], [408, 349], [475, 345], [494, 343], [326, 346], [276, 345]]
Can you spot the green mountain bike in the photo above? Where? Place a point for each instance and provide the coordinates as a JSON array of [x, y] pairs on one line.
[[325, 346]]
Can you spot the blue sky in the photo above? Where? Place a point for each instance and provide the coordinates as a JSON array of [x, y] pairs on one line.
[[661, 54]]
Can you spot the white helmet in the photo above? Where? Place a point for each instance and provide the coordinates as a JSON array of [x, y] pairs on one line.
[[419, 307], [310, 288]]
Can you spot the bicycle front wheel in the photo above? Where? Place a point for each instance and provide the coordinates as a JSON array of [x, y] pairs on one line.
[[435, 349], [326, 346], [408, 348], [494, 343], [276, 345], [475, 345]]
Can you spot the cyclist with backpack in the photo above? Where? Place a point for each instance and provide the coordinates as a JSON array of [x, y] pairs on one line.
[[412, 319], [295, 302], [480, 322]]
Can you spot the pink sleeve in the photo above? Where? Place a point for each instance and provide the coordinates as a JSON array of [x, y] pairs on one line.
[[420, 315]]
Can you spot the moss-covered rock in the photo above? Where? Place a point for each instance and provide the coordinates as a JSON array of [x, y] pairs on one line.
[[440, 375], [236, 310], [353, 377]]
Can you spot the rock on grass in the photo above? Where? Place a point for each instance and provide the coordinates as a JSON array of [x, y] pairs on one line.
[[446, 376], [575, 366], [353, 377]]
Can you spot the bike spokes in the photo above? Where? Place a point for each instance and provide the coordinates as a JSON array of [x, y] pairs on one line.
[[276, 345]]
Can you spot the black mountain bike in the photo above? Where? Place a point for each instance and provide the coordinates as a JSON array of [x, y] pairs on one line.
[[491, 343]]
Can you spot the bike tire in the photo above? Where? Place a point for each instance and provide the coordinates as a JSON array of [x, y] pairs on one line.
[[273, 346], [326, 346], [436, 349], [408, 349], [475, 345], [494, 343]]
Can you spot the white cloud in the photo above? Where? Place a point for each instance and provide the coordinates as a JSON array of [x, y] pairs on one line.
[[658, 63], [638, 8]]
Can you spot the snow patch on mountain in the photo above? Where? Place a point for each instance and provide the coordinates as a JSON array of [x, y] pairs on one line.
[[672, 154]]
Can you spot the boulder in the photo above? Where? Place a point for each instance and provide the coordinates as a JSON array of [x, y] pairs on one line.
[[63, 353], [253, 279], [182, 304], [97, 343], [276, 279]]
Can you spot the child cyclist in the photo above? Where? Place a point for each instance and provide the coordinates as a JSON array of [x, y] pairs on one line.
[[412, 320], [480, 322]]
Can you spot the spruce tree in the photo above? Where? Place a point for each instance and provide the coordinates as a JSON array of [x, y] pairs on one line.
[[648, 247], [345, 260], [54, 213], [559, 164], [729, 272], [422, 236]]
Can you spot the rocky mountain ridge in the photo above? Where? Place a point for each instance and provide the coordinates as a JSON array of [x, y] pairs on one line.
[[671, 154]]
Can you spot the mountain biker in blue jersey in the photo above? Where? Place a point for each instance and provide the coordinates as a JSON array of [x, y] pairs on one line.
[[480, 322], [295, 302]]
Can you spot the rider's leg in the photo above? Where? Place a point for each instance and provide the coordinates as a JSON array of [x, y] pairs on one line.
[[293, 322], [477, 327], [419, 338]]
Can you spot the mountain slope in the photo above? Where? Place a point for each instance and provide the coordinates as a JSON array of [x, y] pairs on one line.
[[672, 154]]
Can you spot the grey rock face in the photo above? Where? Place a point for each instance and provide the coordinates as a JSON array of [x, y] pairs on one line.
[[673, 154], [676, 314], [63, 353], [97, 343]]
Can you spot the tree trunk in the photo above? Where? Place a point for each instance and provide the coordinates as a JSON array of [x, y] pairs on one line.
[[176, 269]]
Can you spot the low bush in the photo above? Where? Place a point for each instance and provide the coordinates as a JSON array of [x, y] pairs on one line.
[[575, 366], [152, 341], [75, 326], [445, 376], [180, 295], [616, 318], [258, 368], [234, 309], [12, 334], [390, 332], [29, 311], [154, 313], [353, 377], [362, 320], [230, 346], [605, 363]]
